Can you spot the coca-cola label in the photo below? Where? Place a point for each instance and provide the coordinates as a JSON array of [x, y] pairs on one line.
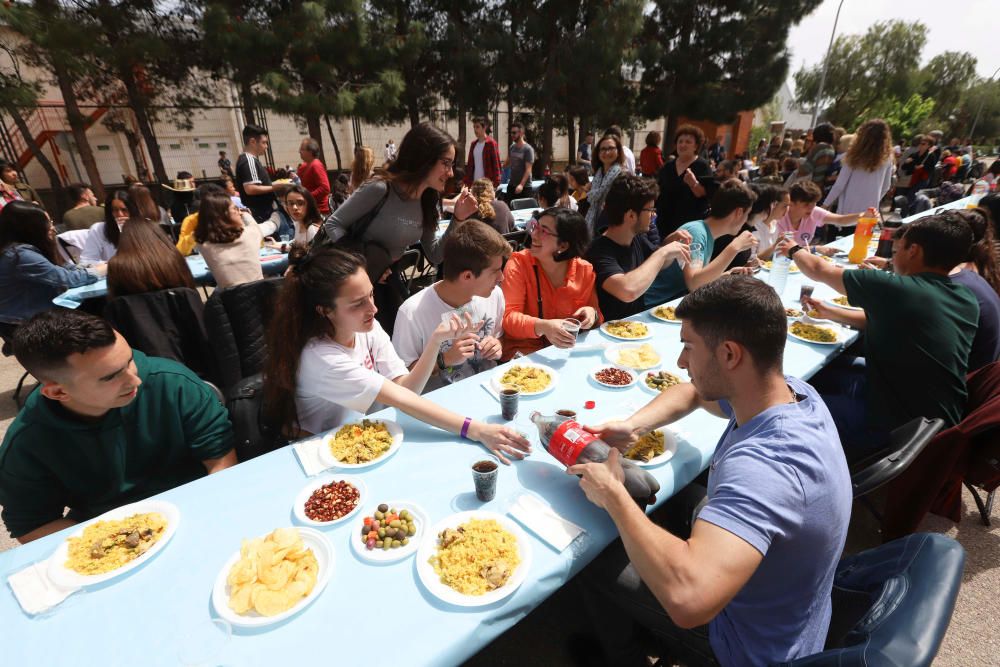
[[887, 233], [568, 441]]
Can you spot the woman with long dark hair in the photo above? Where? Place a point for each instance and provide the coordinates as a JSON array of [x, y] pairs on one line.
[[611, 162], [146, 261], [404, 202], [120, 206], [228, 240], [31, 271], [304, 213], [329, 360], [866, 171]]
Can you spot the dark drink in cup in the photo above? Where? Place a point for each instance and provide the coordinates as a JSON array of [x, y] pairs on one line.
[[508, 402], [484, 475]]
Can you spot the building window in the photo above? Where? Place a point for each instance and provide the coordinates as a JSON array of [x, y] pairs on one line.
[[220, 144], [103, 147], [204, 145], [175, 147]]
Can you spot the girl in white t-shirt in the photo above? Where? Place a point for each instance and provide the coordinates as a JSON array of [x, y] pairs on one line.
[[329, 360], [769, 207]]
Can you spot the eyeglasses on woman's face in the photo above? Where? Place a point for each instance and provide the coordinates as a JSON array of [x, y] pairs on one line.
[[609, 149], [534, 226]]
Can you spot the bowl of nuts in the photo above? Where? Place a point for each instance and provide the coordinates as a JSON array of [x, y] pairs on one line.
[[329, 499], [614, 377]]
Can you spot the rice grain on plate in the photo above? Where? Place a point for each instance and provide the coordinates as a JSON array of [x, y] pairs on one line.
[[476, 557]]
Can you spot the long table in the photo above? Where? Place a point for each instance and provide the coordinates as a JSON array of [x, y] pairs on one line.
[[135, 619], [272, 262]]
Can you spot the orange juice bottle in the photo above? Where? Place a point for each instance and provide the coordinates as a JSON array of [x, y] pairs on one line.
[[862, 235]]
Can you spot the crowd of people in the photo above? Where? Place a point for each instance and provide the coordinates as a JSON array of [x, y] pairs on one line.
[[611, 237]]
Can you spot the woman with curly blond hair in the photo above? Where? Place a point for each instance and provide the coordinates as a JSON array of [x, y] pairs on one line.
[[493, 212], [362, 168], [866, 174]]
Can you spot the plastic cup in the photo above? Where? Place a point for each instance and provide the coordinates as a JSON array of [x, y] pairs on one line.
[[484, 476], [806, 292], [285, 238], [696, 259], [572, 326], [509, 398]]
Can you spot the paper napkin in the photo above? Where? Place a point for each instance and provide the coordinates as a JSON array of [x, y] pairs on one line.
[[540, 519]]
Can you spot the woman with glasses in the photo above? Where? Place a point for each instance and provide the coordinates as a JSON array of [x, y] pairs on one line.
[[402, 206], [304, 213], [547, 283], [31, 271], [683, 195], [611, 162]]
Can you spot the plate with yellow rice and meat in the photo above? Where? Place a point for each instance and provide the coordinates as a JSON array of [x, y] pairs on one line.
[[652, 449], [625, 330], [361, 444], [664, 313], [815, 334], [114, 543], [842, 302], [475, 558], [531, 378]]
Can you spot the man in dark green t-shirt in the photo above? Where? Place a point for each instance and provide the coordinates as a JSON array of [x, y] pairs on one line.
[[918, 327], [108, 426]]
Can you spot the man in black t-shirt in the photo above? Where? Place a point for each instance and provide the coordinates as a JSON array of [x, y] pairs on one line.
[[225, 166], [252, 180], [625, 261]]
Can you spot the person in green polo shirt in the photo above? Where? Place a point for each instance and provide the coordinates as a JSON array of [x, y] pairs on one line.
[[108, 426], [918, 327]]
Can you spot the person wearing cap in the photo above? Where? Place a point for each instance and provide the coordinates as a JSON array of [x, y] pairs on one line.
[[182, 204]]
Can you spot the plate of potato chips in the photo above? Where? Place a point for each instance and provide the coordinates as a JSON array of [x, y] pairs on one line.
[[114, 543], [273, 577]]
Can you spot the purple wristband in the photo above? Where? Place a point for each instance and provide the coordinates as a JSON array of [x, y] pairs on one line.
[[465, 427]]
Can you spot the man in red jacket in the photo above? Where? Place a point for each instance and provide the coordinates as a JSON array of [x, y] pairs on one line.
[[312, 173], [484, 155]]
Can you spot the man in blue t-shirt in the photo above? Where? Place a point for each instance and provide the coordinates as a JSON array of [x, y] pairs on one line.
[[759, 564], [730, 207]]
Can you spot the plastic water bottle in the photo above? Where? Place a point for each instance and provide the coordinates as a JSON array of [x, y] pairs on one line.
[[779, 269]]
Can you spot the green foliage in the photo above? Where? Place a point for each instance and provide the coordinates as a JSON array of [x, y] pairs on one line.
[[944, 79], [905, 117]]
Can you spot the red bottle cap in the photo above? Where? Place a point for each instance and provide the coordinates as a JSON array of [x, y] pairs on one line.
[[589, 405]]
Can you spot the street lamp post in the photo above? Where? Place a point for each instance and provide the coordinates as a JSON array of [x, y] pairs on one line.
[[826, 66], [982, 102]]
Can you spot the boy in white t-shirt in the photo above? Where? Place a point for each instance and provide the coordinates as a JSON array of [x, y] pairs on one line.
[[474, 256]]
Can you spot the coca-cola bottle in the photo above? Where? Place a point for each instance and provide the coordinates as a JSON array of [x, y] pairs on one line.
[[564, 438], [889, 230]]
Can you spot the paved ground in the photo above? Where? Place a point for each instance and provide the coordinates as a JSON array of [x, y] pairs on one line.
[[972, 638]]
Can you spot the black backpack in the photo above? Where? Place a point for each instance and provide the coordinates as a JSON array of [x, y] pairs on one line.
[[253, 435]]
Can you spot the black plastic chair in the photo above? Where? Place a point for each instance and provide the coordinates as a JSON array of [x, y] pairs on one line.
[[526, 202], [892, 604], [516, 239], [236, 319], [6, 334], [253, 434], [905, 444]]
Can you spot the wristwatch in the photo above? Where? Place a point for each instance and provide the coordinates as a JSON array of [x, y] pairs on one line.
[[794, 249], [440, 361]]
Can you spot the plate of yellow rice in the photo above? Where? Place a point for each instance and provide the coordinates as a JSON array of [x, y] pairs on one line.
[[531, 378], [475, 558], [361, 444], [114, 543]]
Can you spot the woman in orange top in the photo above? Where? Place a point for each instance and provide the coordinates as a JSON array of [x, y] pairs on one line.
[[548, 282]]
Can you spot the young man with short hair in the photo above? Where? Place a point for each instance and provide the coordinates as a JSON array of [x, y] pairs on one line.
[[474, 256], [85, 211], [759, 563], [731, 204], [108, 426], [918, 324], [484, 155], [585, 153], [625, 260], [225, 166], [520, 159], [252, 180]]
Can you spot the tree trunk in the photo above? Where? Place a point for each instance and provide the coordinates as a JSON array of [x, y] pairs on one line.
[[78, 125], [460, 153], [541, 165], [246, 99], [333, 140], [132, 139], [316, 132], [668, 133], [138, 106], [571, 138], [412, 108], [57, 187]]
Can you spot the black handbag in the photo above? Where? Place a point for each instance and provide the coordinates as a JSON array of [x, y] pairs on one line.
[[376, 255]]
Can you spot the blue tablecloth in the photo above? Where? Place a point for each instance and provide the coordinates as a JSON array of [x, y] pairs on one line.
[[134, 619], [272, 261], [959, 203]]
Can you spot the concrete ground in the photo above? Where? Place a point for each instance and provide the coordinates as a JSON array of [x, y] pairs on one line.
[[542, 639]]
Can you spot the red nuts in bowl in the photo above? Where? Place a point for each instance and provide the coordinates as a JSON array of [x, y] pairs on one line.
[[332, 501], [614, 376]]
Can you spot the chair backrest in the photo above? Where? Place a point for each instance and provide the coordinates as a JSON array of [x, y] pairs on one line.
[[406, 267], [236, 319], [168, 323], [516, 239], [892, 604], [905, 444], [253, 435], [527, 202]]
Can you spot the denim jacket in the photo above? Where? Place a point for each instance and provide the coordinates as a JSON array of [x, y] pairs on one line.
[[29, 282]]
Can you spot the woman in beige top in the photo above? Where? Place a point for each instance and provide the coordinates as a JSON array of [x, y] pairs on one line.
[[229, 241]]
